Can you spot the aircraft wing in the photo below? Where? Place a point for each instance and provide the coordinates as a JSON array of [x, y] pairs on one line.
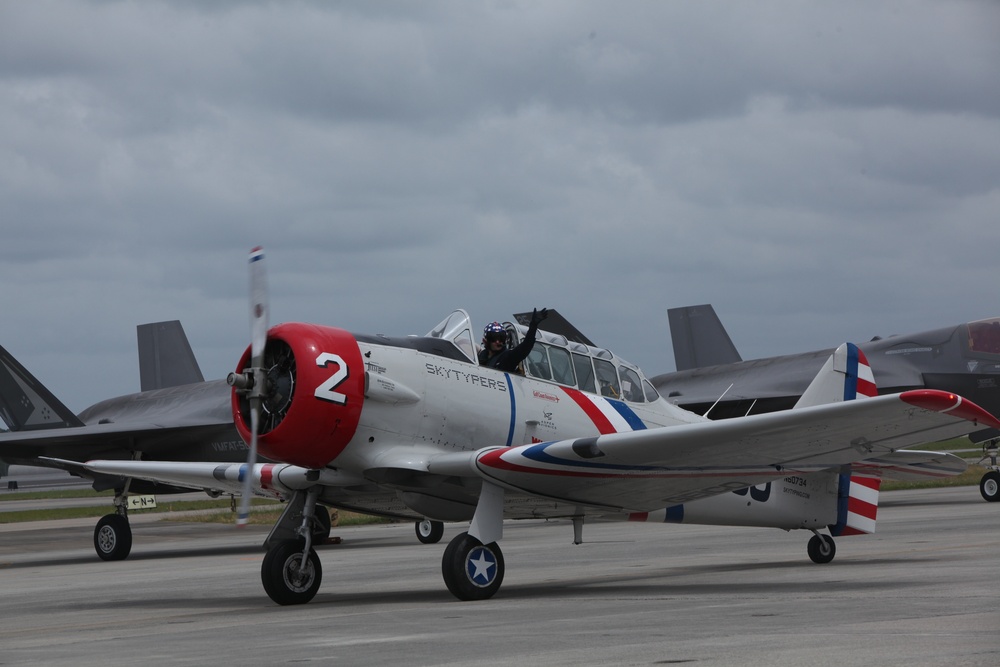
[[89, 441], [656, 468], [269, 479], [911, 466]]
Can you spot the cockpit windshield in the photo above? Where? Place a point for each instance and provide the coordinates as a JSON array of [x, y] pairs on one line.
[[984, 336], [457, 328], [590, 369]]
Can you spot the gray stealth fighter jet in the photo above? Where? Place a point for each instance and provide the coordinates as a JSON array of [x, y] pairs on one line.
[[712, 377], [177, 416]]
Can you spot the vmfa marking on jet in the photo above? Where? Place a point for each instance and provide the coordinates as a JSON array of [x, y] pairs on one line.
[[412, 427]]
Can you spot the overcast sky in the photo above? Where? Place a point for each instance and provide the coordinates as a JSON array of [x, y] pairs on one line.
[[819, 172]]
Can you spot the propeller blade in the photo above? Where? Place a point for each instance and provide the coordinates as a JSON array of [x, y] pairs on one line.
[[243, 517], [258, 307], [258, 340]]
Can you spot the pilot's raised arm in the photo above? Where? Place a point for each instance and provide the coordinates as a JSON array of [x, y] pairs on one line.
[[495, 353]]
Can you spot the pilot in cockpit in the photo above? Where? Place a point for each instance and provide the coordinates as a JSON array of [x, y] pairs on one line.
[[495, 353]]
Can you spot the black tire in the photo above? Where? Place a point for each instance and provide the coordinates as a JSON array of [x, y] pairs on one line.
[[113, 537], [279, 574], [429, 532], [472, 570], [989, 486], [821, 548]]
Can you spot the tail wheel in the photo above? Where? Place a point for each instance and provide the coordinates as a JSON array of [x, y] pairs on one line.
[[429, 532], [989, 486], [472, 570], [113, 537], [287, 580], [821, 548]]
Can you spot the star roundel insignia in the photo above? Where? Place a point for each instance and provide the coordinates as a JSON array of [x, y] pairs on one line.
[[481, 566]]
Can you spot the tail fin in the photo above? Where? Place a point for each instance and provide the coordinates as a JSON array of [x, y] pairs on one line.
[[25, 403], [699, 339], [165, 356], [845, 376]]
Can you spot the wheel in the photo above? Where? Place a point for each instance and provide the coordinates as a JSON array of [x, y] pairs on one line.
[[821, 548], [113, 537], [989, 486], [429, 532], [322, 526], [284, 580], [471, 570]]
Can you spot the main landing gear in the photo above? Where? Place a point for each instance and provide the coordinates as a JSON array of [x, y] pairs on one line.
[[472, 570], [113, 534], [113, 537], [291, 572]]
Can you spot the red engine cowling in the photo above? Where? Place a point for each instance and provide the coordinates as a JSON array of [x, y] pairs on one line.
[[315, 390]]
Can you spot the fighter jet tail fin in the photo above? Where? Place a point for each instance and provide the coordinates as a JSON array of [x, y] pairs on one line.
[[25, 403], [165, 356], [699, 339], [845, 376]]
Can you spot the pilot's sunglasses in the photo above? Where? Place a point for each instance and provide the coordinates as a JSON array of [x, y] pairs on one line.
[[497, 338]]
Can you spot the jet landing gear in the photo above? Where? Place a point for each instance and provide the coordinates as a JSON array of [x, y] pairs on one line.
[[113, 534], [821, 548], [472, 570], [989, 485], [113, 537]]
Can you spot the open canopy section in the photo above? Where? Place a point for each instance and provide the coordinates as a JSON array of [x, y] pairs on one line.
[[457, 328]]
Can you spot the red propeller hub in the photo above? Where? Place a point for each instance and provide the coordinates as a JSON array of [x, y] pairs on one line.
[[312, 402]]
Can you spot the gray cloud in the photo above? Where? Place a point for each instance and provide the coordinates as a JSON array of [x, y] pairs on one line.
[[819, 172]]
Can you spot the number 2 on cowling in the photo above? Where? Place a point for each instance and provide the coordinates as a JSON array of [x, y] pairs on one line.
[[325, 391]]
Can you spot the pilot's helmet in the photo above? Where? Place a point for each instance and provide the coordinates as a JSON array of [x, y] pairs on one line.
[[494, 331]]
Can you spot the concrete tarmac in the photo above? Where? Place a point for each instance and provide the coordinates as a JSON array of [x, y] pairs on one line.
[[922, 591]]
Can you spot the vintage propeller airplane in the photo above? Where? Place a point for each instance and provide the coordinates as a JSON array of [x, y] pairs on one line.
[[413, 427]]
